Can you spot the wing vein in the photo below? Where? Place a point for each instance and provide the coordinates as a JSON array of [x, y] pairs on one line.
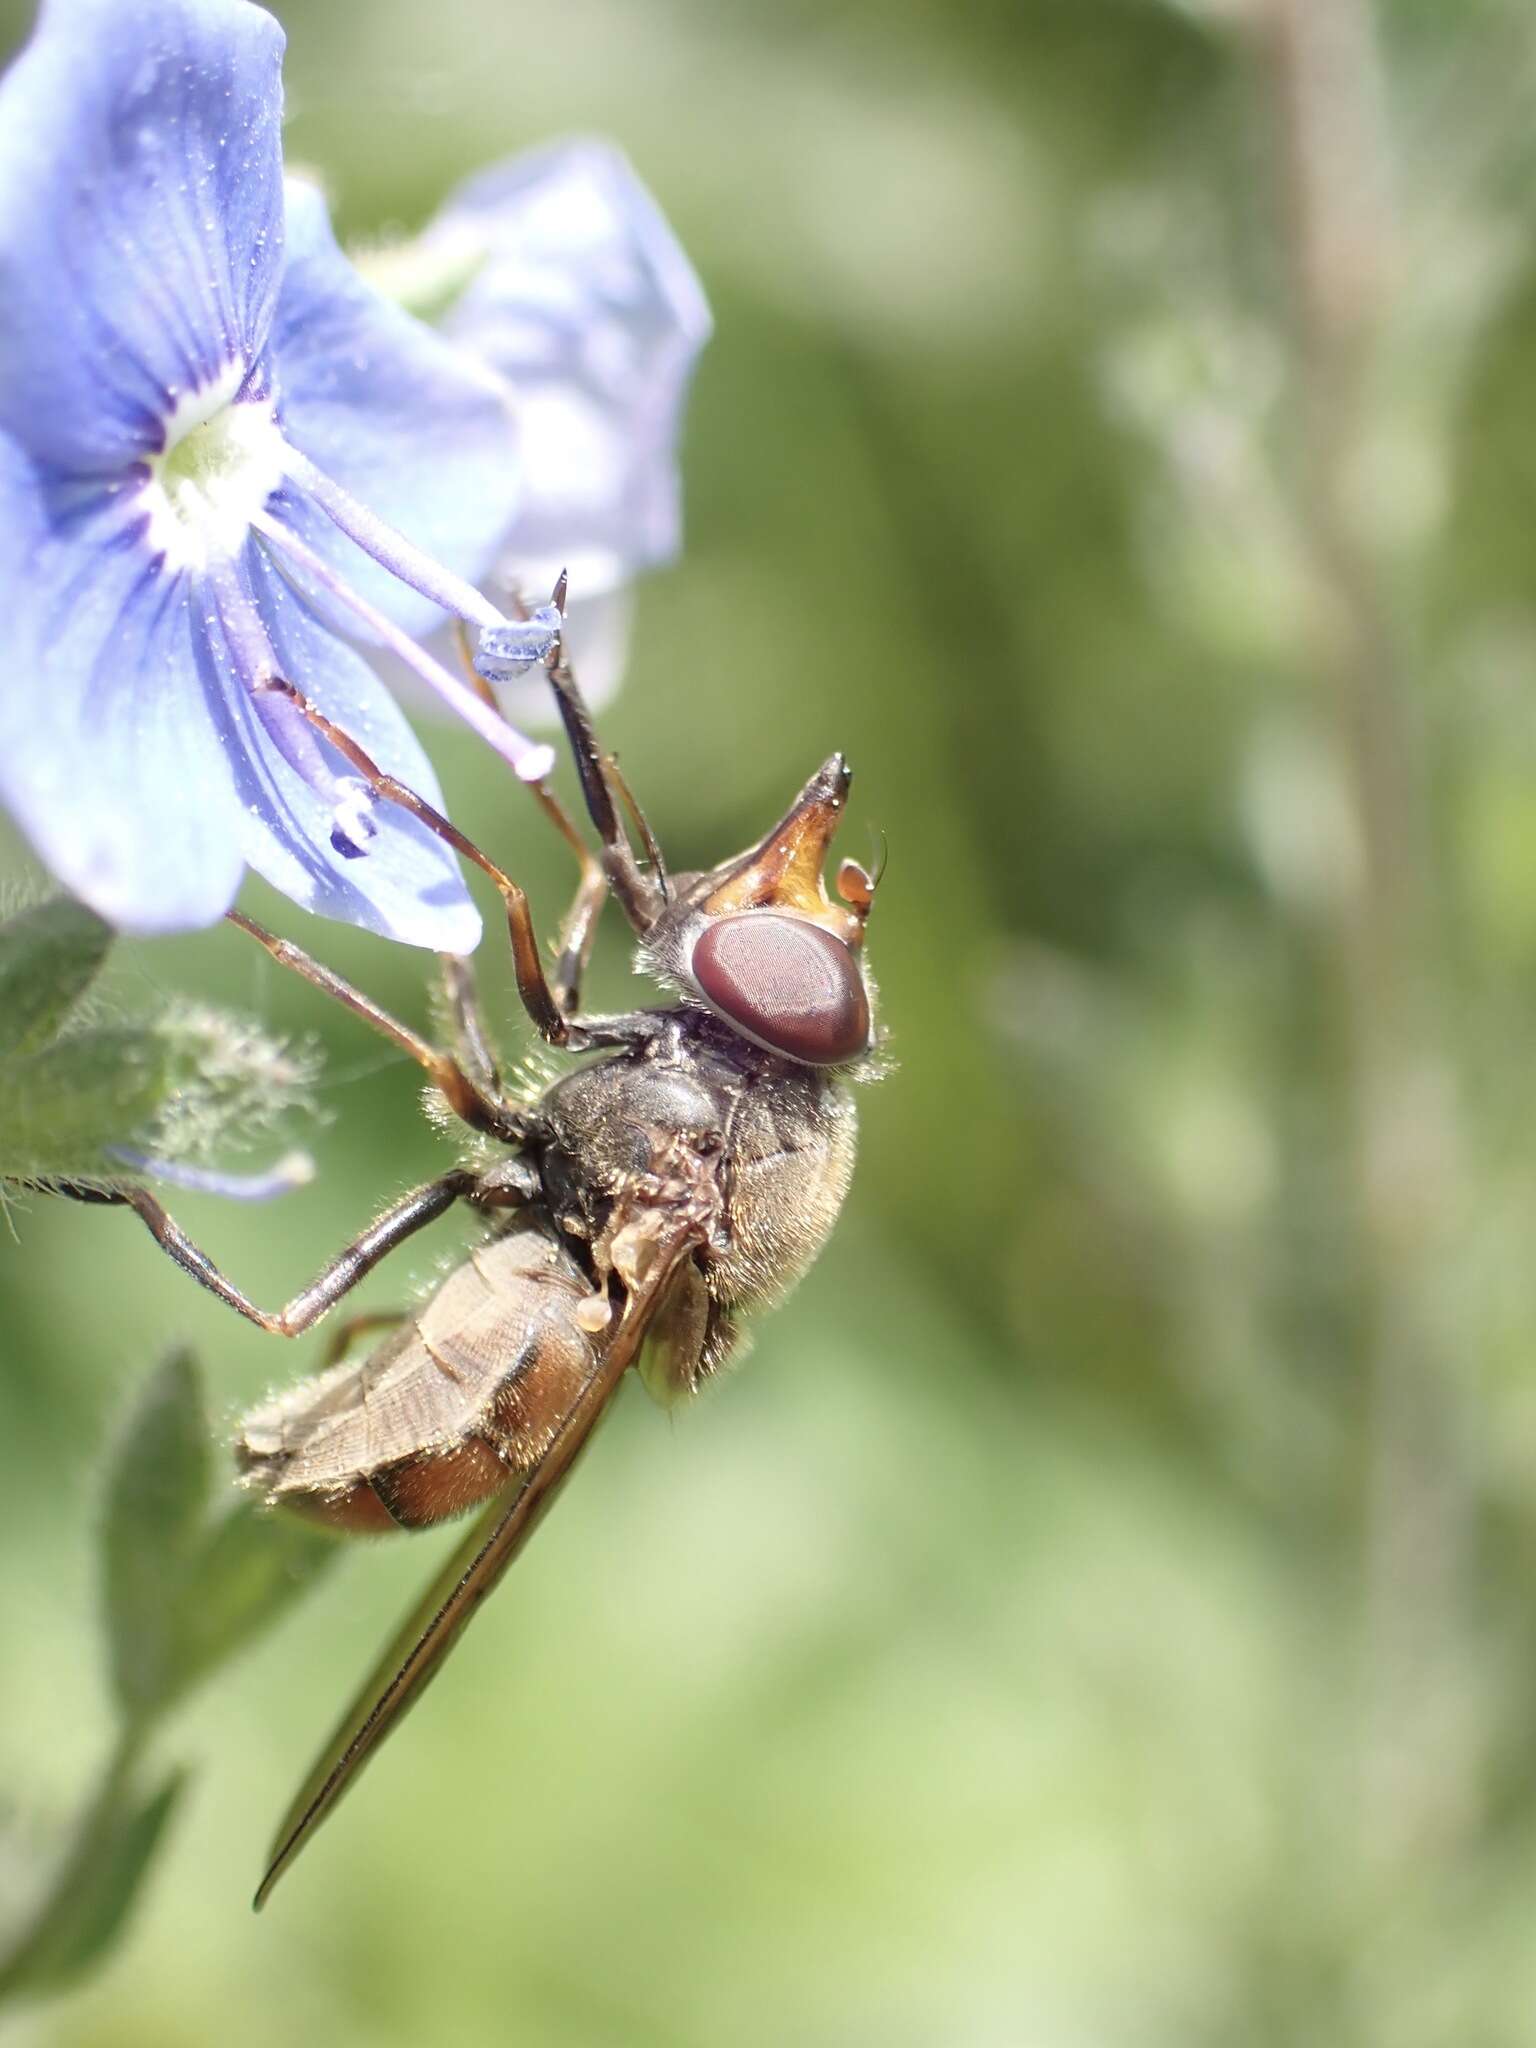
[[457, 1591]]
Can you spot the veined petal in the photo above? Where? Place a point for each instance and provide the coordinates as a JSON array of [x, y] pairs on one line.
[[415, 431], [108, 758], [141, 220], [407, 885], [585, 301]]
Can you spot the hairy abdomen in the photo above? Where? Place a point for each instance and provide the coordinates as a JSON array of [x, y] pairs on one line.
[[468, 1391]]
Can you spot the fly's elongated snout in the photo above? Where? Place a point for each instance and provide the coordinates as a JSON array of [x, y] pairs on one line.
[[776, 956], [784, 871]]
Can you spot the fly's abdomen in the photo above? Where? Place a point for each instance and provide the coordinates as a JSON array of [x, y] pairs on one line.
[[468, 1391]]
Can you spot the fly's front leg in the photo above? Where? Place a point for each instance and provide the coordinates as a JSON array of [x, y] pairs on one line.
[[580, 925], [641, 897], [461, 997], [400, 1221], [571, 1033]]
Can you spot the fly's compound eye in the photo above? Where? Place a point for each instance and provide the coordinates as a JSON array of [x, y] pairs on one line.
[[789, 985]]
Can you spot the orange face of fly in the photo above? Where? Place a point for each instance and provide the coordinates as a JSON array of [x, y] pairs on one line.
[[777, 958]]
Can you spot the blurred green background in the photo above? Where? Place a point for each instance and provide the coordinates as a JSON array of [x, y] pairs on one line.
[[1103, 1609]]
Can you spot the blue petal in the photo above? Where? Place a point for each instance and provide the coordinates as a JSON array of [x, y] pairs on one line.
[[586, 303], [108, 758], [407, 886], [417, 433], [140, 218]]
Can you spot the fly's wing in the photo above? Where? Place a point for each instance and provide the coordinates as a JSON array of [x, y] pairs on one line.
[[475, 1568]]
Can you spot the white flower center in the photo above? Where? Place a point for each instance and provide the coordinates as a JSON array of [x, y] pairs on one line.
[[221, 464]]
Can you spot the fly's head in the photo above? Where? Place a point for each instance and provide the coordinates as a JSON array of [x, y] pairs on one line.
[[759, 941]]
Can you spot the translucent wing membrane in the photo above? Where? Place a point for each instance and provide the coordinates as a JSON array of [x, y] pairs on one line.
[[473, 1571]]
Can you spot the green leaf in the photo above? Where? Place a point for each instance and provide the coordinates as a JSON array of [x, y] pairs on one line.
[[152, 1533], [183, 1595], [252, 1565], [85, 1905], [61, 1108], [48, 958]]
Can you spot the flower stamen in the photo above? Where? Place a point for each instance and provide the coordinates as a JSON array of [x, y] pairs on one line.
[[390, 548], [506, 652], [353, 825], [528, 759]]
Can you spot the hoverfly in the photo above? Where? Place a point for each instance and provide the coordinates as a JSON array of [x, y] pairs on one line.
[[635, 1210]]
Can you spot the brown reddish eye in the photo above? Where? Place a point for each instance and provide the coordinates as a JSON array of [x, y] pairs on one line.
[[793, 986]]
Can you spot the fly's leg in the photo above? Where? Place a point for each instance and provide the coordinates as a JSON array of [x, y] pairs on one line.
[[461, 996], [472, 1103], [574, 1034], [637, 818], [579, 927], [574, 948], [641, 897], [580, 924], [398, 1222], [346, 1334], [460, 983]]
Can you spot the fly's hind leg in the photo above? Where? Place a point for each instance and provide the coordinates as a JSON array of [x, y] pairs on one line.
[[398, 1222], [346, 1333]]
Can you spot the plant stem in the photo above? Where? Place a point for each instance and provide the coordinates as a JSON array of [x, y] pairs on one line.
[[44, 1951], [1321, 70]]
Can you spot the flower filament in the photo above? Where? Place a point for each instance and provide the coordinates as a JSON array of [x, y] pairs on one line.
[[214, 490]]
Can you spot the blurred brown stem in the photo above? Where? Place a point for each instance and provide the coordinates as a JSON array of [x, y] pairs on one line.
[[1321, 70]]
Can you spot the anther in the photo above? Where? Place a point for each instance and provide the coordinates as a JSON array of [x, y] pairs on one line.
[[521, 644], [353, 824]]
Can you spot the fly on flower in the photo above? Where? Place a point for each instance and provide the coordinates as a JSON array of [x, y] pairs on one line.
[[220, 450], [638, 1208]]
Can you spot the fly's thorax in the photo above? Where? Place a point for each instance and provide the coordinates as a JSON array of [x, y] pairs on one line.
[[605, 1125], [780, 1136]]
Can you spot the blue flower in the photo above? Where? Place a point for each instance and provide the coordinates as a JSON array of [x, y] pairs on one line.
[[562, 275], [210, 433], [584, 301]]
